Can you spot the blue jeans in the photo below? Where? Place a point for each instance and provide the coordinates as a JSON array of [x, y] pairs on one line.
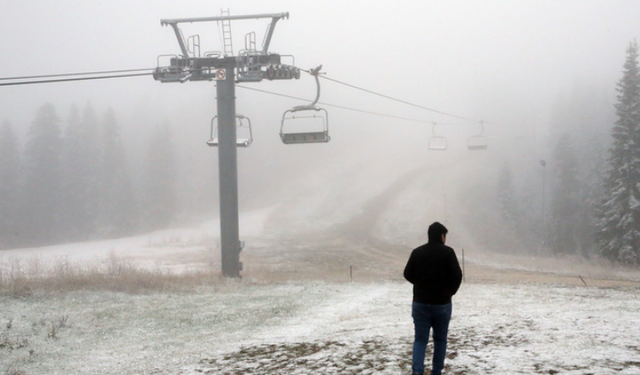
[[426, 317]]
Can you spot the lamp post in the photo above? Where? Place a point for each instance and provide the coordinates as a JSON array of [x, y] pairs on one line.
[[543, 164]]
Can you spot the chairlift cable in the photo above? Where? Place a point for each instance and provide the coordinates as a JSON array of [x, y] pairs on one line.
[[398, 100], [74, 79], [75, 74], [338, 106], [112, 74], [322, 75]]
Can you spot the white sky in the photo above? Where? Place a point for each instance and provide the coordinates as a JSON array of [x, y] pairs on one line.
[[465, 57], [505, 62]]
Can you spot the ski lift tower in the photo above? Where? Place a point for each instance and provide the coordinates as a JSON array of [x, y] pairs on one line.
[[251, 65]]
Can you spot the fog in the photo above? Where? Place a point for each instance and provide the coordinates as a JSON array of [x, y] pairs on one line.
[[504, 62]]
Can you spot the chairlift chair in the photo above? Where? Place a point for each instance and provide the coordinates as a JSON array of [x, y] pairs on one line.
[[478, 142], [244, 134], [437, 143], [311, 116], [306, 123]]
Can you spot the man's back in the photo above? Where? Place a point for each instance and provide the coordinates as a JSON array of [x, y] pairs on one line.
[[435, 273]]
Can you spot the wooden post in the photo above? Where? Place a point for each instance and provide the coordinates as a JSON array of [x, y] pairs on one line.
[[463, 273]]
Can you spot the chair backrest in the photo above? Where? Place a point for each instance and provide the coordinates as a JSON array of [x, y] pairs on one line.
[[311, 137]]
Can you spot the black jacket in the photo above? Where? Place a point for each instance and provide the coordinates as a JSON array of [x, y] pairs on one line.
[[435, 273]]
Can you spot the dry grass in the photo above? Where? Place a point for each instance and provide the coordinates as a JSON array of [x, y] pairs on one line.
[[20, 278], [338, 259]]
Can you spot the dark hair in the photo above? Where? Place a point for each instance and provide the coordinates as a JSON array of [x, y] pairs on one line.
[[436, 230]]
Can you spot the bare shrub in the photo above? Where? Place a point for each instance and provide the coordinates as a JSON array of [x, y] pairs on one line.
[[62, 322], [115, 274], [53, 332], [12, 343]]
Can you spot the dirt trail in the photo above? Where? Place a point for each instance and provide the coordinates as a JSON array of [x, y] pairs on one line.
[[362, 248]]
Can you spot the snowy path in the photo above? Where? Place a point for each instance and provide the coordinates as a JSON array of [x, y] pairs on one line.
[[350, 311]]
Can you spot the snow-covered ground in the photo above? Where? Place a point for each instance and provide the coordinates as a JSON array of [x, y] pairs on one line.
[[320, 328]]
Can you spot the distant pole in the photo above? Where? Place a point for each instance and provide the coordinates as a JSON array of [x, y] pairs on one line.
[[544, 164], [228, 172]]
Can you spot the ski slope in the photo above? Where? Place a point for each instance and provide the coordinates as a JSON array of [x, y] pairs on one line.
[[300, 310]]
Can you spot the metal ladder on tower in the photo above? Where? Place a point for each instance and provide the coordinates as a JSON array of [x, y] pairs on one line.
[[226, 34]]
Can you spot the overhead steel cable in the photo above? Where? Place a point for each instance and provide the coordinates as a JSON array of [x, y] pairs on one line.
[[338, 106], [74, 79], [398, 100], [75, 74], [107, 74], [323, 75]]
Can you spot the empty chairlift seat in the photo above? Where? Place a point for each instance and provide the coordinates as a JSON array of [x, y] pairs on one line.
[[478, 142], [437, 143], [305, 124], [244, 134]]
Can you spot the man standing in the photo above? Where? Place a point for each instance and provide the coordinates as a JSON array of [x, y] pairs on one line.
[[435, 273]]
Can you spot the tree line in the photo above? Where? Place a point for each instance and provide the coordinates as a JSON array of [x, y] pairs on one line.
[[70, 181], [593, 176]]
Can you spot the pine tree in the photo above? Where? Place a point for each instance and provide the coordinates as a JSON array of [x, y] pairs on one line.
[[583, 114], [9, 187], [567, 214], [118, 216], [81, 174], [92, 152], [160, 204], [593, 175], [506, 196], [619, 226], [41, 196], [72, 160], [529, 210]]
